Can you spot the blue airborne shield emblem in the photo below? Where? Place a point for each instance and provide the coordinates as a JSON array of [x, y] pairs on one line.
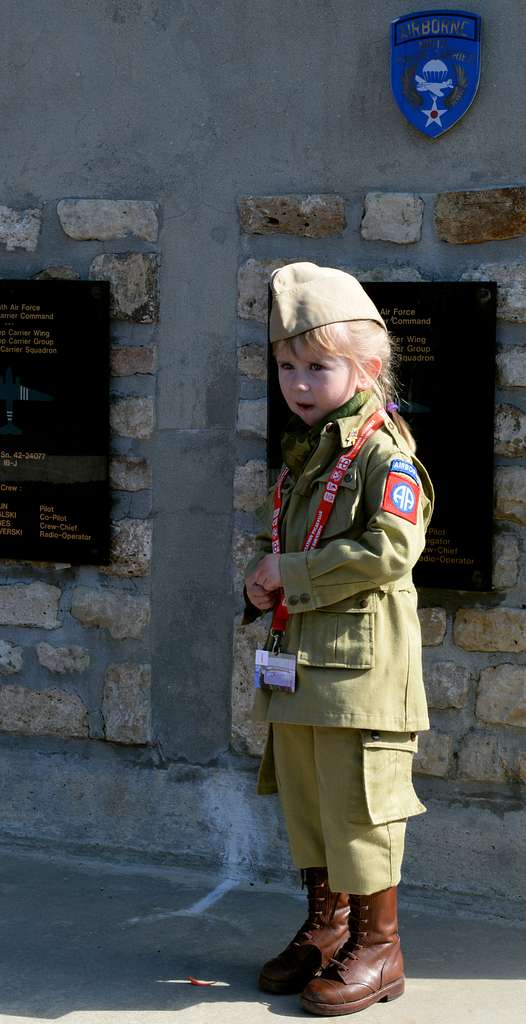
[[435, 67]]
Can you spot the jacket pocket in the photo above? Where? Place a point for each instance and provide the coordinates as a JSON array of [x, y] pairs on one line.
[[343, 510], [387, 776], [342, 639]]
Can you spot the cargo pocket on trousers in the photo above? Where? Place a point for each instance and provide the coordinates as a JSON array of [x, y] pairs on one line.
[[387, 776]]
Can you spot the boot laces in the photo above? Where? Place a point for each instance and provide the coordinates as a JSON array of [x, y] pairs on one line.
[[318, 909], [351, 949]]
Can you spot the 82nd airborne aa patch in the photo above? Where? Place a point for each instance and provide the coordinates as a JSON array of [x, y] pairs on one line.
[[401, 496]]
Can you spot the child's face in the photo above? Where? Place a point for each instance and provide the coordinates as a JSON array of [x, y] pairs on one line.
[[313, 384]]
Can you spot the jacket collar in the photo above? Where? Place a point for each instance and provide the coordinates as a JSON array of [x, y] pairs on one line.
[[341, 433], [321, 456], [347, 428], [299, 441], [335, 435]]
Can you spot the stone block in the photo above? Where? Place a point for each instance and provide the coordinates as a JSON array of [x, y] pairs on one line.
[[130, 474], [132, 417], [511, 292], [447, 684], [250, 485], [19, 229], [126, 703], [131, 548], [490, 629], [42, 712], [59, 272], [105, 219], [481, 215], [505, 561], [243, 550], [479, 759], [434, 754], [502, 695], [387, 273], [511, 761], [310, 216], [123, 614], [11, 658], [510, 491], [392, 217], [252, 417], [252, 284], [433, 623], [29, 604], [511, 367], [63, 659], [510, 431], [129, 359], [252, 361], [247, 737], [133, 284]]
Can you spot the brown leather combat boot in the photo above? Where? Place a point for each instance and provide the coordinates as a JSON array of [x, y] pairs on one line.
[[369, 968], [318, 939]]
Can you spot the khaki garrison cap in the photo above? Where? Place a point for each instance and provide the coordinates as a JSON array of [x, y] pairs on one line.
[[306, 296]]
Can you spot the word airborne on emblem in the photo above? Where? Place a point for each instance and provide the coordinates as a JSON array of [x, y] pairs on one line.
[[435, 67]]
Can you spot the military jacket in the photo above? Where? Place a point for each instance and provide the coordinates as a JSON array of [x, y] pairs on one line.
[[353, 622]]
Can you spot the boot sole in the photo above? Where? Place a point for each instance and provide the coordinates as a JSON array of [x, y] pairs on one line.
[[384, 995]]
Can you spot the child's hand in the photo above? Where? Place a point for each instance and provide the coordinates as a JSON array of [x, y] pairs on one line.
[[257, 594], [267, 573]]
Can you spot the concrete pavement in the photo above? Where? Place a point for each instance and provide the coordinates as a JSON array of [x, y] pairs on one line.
[[93, 942]]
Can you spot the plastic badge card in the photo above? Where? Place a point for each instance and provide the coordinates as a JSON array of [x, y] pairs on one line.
[[275, 671]]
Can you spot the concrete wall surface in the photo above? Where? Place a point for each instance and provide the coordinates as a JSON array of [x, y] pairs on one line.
[[186, 108], [192, 815]]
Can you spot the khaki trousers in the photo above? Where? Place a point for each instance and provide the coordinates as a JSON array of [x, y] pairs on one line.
[[346, 795]]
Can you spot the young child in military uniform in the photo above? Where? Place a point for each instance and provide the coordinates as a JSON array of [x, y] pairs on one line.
[[343, 528]]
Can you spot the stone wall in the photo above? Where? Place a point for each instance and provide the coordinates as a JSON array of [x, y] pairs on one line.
[[74, 640], [474, 644]]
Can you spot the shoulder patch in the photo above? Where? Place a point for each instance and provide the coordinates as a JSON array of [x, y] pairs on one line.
[[401, 496], [401, 466]]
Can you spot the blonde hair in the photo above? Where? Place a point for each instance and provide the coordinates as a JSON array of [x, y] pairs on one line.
[[359, 341]]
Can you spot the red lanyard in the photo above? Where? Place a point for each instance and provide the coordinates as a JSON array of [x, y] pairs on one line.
[[281, 613]]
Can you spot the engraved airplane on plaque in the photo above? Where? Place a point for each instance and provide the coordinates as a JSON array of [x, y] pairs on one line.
[[12, 390]]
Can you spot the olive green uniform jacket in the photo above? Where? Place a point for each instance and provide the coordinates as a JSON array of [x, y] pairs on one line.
[[353, 622]]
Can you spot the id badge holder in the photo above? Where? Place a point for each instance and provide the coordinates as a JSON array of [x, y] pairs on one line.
[[275, 671]]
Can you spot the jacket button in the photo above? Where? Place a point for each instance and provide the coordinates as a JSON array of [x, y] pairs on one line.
[[293, 599], [364, 603], [375, 735], [348, 478], [304, 598]]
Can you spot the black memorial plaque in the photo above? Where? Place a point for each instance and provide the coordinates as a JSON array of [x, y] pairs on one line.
[[446, 368], [54, 421]]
